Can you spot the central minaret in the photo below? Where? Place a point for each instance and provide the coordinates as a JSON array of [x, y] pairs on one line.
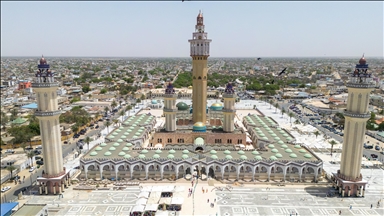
[[54, 176], [349, 179], [199, 53]]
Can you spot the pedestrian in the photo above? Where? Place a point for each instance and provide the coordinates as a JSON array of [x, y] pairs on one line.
[[207, 200], [340, 212], [371, 205], [206, 190], [350, 206], [214, 200]]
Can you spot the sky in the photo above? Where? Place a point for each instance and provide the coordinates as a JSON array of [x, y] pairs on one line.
[[162, 29]]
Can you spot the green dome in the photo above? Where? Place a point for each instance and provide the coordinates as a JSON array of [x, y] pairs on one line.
[[185, 151], [199, 127], [297, 146], [134, 125], [145, 151], [170, 156], [123, 137], [185, 156], [293, 155], [172, 151], [243, 157], [276, 138], [111, 137], [98, 148], [241, 152], [289, 139], [280, 142], [216, 106], [126, 133], [265, 138], [93, 153], [121, 128], [153, 102], [213, 157], [128, 144], [274, 150], [302, 151], [129, 130], [141, 156], [139, 130], [255, 152], [114, 133], [227, 152], [121, 153], [285, 135], [125, 149], [284, 146], [229, 157], [278, 155], [258, 157], [156, 156], [127, 156], [118, 130], [213, 151], [273, 158], [119, 140], [112, 148], [182, 106], [271, 146], [107, 153], [158, 151], [116, 144], [137, 134], [288, 150], [307, 156], [134, 137], [103, 144]]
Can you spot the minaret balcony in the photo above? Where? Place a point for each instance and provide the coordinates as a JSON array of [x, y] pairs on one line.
[[225, 95], [170, 95], [170, 109], [364, 81], [357, 115], [229, 110], [47, 113], [45, 85]]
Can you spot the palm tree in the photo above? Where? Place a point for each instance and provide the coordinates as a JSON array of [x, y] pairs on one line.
[[30, 155], [282, 112], [290, 114], [11, 168], [122, 113], [106, 109], [115, 121], [332, 142], [87, 140], [114, 104], [89, 96], [107, 124], [276, 105], [316, 133]]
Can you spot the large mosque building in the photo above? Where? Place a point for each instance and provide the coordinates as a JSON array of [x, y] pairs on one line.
[[200, 139]]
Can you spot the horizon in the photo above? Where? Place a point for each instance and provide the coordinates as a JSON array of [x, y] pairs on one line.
[[237, 29]]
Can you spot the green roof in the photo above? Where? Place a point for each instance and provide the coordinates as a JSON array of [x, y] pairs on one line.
[[199, 141]]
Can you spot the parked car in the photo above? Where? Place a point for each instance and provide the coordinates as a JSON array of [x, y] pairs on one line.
[[39, 147], [37, 157], [6, 188], [40, 162], [11, 151], [377, 148], [32, 169], [28, 148]]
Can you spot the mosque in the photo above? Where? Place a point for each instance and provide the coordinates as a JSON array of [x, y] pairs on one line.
[[200, 139]]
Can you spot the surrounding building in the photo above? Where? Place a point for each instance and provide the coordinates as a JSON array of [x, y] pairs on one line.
[[54, 176], [348, 179]]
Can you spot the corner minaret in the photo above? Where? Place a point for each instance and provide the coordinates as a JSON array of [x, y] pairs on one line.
[[348, 179], [170, 108], [229, 111], [54, 176], [199, 53]]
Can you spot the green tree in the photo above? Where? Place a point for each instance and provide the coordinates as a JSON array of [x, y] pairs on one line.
[[86, 88], [107, 124], [316, 133], [332, 142], [103, 91], [282, 111], [276, 105], [106, 109], [24, 146], [122, 113], [75, 128], [11, 168], [87, 140], [30, 155], [142, 97], [290, 114], [113, 104]]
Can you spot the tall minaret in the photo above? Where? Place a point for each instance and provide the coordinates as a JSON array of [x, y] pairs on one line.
[[349, 179], [199, 53], [229, 108], [48, 114], [170, 108]]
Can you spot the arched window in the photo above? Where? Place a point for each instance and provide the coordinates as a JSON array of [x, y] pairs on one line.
[[199, 78]]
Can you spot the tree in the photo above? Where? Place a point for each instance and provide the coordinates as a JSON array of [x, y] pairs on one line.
[[122, 113], [114, 104], [115, 121], [11, 168], [142, 97], [283, 111], [276, 105], [316, 133], [290, 114], [30, 155], [75, 128], [87, 140], [107, 124], [106, 109], [24, 146], [103, 91], [332, 142]]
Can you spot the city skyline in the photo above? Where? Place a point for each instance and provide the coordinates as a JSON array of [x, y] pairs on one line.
[[251, 29]]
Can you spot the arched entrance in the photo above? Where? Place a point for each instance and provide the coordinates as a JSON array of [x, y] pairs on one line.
[[199, 149], [211, 173]]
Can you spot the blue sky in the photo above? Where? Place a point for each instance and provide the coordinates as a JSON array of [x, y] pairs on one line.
[[162, 29]]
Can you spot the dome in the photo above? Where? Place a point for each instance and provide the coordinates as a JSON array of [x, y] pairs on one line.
[[127, 156], [121, 153], [153, 102], [93, 153], [243, 157], [284, 146], [362, 61], [128, 144], [98, 148], [172, 151], [182, 106], [293, 155], [125, 149], [216, 106], [229, 157], [170, 156], [255, 152], [116, 144], [43, 61], [158, 151], [288, 150], [302, 151], [103, 144], [141, 156], [213, 151], [274, 150], [278, 155], [258, 157], [184, 156], [307, 156], [199, 127], [107, 153], [227, 152], [297, 146], [119, 140], [273, 158], [271, 146], [145, 151], [240, 152], [185, 151], [112, 149], [156, 156], [213, 157]]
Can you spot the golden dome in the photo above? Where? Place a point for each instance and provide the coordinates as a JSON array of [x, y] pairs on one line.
[[217, 105], [362, 61], [199, 124]]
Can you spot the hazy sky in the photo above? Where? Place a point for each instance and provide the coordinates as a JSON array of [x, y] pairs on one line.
[[162, 29]]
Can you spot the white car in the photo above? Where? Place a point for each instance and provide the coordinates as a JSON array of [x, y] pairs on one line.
[[32, 168], [6, 188]]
